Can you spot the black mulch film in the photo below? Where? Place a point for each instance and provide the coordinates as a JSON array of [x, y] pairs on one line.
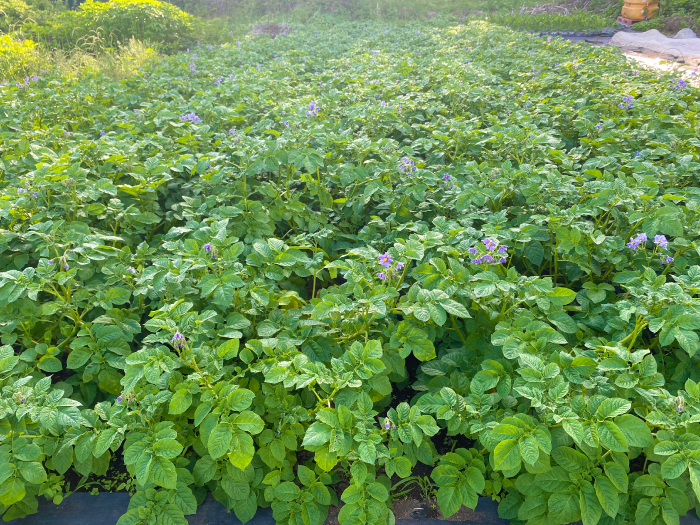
[[105, 509]]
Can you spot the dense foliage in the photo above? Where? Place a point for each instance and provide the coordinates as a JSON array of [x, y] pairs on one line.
[[116, 21], [261, 269]]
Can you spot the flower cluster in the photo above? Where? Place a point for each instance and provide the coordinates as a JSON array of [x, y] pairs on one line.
[[487, 258], [679, 83], [407, 164], [659, 240], [190, 117], [635, 242], [313, 110], [386, 261], [179, 341], [19, 397], [129, 398], [626, 102]]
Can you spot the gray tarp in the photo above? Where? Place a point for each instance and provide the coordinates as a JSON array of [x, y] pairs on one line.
[[684, 47]]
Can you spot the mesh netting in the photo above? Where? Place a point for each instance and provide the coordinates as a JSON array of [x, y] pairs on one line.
[[684, 47]]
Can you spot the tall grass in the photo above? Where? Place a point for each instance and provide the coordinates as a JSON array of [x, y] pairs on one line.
[[23, 58]]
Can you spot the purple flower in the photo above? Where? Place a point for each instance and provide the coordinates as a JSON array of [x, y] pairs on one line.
[[191, 117], [490, 245], [385, 260], [660, 240], [637, 241], [599, 125], [232, 131], [35, 78], [400, 266], [487, 258], [680, 84], [66, 267], [387, 425], [24, 399], [477, 261], [446, 176], [207, 247], [50, 261], [102, 133], [669, 260], [286, 123], [382, 276], [217, 81], [179, 340], [119, 399], [502, 249], [503, 260], [472, 250], [136, 111]]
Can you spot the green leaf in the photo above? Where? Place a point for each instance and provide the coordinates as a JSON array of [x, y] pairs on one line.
[[180, 402], [563, 508], [532, 507], [240, 399], [246, 509], [287, 491], [171, 515], [378, 491], [617, 476], [561, 296], [529, 450], [669, 514], [636, 431], [607, 495], [646, 512], [591, 511], [534, 252], [569, 459], [694, 472], [674, 466], [321, 493], [33, 472], [219, 442], [449, 500], [250, 422], [168, 448], [507, 455], [11, 492], [317, 434], [306, 475], [402, 466], [204, 470], [612, 437], [163, 473], [613, 407]]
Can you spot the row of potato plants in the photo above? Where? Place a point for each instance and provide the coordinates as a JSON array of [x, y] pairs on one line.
[[274, 268]]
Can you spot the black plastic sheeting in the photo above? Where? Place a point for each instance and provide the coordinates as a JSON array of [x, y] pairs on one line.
[[105, 509]]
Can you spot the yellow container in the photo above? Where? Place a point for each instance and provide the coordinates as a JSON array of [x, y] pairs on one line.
[[640, 9]]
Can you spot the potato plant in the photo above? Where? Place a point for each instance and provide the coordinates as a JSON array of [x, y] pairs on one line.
[[259, 269]]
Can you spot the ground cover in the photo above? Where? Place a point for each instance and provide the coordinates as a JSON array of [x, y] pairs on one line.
[[277, 268]]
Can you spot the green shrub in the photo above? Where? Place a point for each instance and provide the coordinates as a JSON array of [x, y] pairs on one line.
[[107, 24], [13, 13], [18, 58]]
